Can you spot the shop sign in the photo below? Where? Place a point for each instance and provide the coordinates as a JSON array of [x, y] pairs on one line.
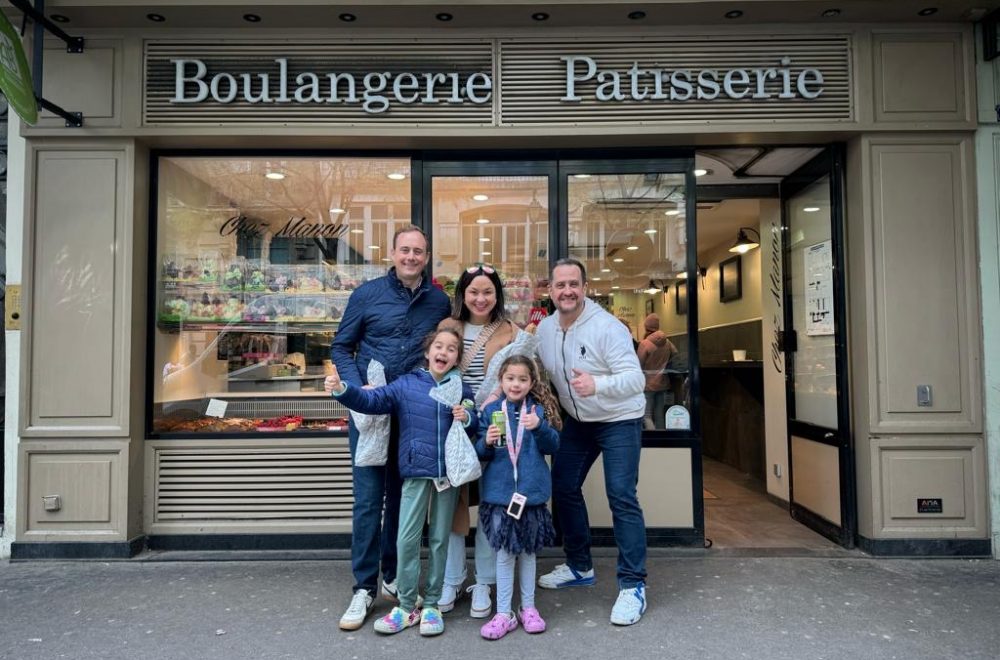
[[375, 91], [15, 76], [658, 84], [295, 227]]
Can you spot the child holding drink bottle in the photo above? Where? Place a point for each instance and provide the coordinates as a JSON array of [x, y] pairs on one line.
[[515, 433], [423, 428]]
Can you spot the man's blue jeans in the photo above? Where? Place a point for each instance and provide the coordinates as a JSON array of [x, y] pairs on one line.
[[373, 536], [579, 446]]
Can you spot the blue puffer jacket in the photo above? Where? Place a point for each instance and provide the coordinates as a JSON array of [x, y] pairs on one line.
[[423, 422], [534, 480], [384, 321]]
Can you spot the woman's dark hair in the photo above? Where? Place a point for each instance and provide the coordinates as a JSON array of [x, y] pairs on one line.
[[460, 311], [432, 335]]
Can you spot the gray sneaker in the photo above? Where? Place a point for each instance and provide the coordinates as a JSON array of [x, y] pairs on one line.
[[449, 594], [630, 606], [361, 604], [482, 605]]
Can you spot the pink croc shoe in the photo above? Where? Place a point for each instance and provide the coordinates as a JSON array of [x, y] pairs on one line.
[[498, 626], [532, 621]]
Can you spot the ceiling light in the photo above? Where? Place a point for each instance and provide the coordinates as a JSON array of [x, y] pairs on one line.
[[605, 270], [336, 209], [683, 275], [672, 212], [396, 176], [373, 247], [156, 18], [59, 18], [928, 11], [251, 18], [830, 13], [348, 18], [743, 242], [484, 239], [617, 260], [274, 176], [616, 287], [653, 289], [444, 17], [650, 231], [596, 279], [482, 221], [486, 254], [540, 16], [357, 231], [736, 13], [581, 176], [810, 209], [633, 248], [637, 15], [386, 259], [480, 197], [701, 171]]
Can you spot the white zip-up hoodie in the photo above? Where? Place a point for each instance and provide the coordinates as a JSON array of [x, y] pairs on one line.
[[600, 345]]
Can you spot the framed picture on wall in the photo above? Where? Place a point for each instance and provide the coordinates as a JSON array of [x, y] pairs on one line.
[[681, 298], [649, 307], [731, 279]]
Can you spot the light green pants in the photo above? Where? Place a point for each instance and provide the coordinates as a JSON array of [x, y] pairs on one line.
[[419, 495]]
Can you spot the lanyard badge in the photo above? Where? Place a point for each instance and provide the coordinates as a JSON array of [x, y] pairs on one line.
[[517, 501]]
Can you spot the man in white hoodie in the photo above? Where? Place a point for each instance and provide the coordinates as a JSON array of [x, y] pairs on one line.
[[588, 355]]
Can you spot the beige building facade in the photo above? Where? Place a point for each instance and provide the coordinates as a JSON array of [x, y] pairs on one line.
[[155, 260]]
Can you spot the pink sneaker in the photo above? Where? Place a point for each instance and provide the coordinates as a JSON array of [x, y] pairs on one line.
[[498, 626], [532, 621]]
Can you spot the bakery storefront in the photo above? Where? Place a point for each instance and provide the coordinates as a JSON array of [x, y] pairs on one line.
[[190, 250]]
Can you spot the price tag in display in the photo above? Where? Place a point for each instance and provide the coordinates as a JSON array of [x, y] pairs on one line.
[[216, 408]]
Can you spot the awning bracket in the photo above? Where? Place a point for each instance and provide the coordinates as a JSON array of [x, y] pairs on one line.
[[73, 45]]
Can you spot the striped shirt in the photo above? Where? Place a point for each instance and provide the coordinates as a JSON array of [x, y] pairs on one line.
[[475, 373]]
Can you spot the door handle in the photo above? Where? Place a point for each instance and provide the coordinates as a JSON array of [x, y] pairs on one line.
[[829, 436]]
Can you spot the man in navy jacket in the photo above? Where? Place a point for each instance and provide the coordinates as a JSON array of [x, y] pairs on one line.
[[386, 320]]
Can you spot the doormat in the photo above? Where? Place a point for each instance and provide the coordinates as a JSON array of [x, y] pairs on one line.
[[708, 495]]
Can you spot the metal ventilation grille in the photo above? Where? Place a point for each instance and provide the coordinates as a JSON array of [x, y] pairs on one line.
[[533, 79], [307, 409], [270, 484], [320, 57]]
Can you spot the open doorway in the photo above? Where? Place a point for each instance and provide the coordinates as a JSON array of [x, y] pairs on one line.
[[746, 466]]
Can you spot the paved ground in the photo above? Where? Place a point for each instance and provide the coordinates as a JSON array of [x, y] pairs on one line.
[[702, 605]]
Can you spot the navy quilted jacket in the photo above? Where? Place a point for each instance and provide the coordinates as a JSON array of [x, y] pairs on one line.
[[534, 480], [384, 321], [423, 422]]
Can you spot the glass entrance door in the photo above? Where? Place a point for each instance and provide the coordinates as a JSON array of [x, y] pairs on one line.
[[820, 455]]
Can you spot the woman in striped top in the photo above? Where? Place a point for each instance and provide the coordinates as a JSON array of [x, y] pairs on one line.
[[480, 318]]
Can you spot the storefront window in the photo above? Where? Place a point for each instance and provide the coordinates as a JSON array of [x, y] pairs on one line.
[[255, 260], [629, 230], [497, 220]]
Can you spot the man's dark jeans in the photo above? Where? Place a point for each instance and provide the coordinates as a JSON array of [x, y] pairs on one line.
[[373, 536], [579, 446]]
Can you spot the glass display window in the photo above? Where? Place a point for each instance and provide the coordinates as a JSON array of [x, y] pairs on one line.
[[254, 261]]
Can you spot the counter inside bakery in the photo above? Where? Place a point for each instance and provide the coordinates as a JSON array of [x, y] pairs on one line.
[[732, 414]]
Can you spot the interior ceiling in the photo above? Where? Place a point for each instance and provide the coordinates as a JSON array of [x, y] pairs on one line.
[[503, 14]]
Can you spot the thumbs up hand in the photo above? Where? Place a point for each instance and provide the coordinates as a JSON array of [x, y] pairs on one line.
[[332, 383], [583, 383], [531, 419]]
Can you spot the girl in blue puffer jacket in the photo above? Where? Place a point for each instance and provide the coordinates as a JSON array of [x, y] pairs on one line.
[[516, 485], [423, 428]]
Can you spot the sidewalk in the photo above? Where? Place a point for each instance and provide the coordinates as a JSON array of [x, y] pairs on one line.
[[702, 606]]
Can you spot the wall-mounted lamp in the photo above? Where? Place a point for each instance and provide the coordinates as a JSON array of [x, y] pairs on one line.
[[653, 288], [743, 242], [702, 272]]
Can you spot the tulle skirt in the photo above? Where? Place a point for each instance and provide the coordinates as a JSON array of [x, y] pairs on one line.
[[530, 533]]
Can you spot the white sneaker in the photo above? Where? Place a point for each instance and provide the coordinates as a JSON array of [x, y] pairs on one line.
[[564, 576], [391, 593], [361, 604], [449, 594], [482, 604], [630, 606]]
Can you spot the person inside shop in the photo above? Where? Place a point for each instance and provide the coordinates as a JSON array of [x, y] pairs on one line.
[[386, 319], [655, 352], [515, 434], [427, 493], [488, 335], [587, 352]]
